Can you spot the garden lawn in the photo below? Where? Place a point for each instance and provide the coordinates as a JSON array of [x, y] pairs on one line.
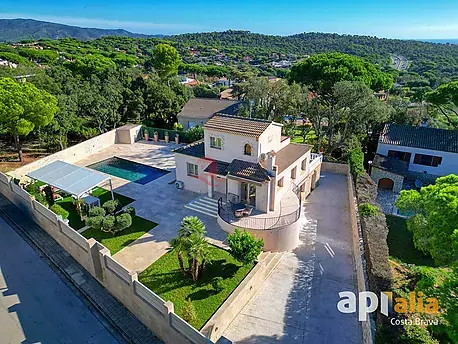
[[165, 278], [400, 243], [120, 240], [104, 195]]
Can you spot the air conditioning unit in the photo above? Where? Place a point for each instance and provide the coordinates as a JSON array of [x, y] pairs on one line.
[[179, 184]]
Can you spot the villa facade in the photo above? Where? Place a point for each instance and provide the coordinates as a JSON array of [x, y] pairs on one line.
[[248, 161], [414, 152]]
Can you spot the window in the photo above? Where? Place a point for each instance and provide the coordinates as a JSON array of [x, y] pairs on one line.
[[216, 142], [304, 164], [293, 172], [399, 155], [427, 160], [193, 170], [247, 149], [280, 182]]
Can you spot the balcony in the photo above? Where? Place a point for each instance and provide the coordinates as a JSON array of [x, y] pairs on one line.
[[315, 160]]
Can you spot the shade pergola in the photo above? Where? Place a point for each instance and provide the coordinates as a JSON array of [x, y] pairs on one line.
[[69, 178]]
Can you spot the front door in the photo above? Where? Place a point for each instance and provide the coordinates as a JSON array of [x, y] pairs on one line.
[[249, 194]]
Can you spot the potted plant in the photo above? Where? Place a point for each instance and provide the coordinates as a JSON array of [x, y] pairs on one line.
[[166, 134], [156, 136], [146, 134], [177, 138]]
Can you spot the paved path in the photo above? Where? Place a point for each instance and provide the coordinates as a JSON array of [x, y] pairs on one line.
[[35, 305], [298, 301], [112, 310]]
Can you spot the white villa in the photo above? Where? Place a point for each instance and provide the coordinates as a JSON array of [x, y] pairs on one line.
[[405, 151], [261, 174]]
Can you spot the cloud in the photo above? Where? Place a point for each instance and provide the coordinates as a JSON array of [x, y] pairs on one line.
[[101, 23]]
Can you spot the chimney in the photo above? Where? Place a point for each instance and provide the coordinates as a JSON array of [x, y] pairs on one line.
[[271, 162]]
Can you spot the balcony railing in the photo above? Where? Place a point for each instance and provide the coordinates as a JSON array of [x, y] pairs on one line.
[[315, 160], [226, 213]]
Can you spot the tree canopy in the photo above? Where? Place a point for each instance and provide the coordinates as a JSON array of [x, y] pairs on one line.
[[23, 107], [435, 223], [322, 71], [445, 99], [165, 60]]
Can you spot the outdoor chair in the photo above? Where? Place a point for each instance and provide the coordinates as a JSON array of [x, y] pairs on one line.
[[248, 210]]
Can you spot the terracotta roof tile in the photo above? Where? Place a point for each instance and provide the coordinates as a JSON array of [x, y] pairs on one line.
[[207, 107], [237, 125], [217, 167], [248, 170], [288, 155]]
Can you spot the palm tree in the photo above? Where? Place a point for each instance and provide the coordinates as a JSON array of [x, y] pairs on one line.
[[190, 225], [179, 245], [198, 252]]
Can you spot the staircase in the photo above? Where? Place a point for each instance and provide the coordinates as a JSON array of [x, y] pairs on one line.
[[204, 205]]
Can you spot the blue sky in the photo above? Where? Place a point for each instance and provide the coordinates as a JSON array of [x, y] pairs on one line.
[[388, 18]]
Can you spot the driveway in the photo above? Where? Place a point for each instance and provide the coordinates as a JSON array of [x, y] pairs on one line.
[[35, 305], [298, 301]]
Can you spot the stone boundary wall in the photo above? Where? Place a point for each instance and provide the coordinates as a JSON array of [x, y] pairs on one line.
[[334, 168], [376, 253], [358, 253], [126, 134], [123, 284]]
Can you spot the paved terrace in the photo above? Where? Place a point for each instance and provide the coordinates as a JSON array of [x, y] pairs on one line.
[[284, 215], [157, 201]]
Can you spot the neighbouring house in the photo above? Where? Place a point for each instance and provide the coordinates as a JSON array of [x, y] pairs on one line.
[[197, 111], [417, 153], [248, 162]]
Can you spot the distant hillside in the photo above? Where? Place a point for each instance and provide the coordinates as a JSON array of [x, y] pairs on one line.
[[15, 30]]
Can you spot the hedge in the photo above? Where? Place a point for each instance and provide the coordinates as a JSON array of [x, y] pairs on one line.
[[172, 134], [57, 209], [356, 161]]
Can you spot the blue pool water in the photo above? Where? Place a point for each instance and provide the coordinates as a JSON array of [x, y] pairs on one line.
[[133, 171]]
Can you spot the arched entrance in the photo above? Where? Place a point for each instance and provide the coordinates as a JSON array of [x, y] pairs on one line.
[[385, 184]]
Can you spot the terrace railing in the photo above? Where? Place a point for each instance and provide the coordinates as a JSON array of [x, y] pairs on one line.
[[227, 214]]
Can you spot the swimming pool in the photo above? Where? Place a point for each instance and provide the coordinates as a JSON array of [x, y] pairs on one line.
[[133, 171]]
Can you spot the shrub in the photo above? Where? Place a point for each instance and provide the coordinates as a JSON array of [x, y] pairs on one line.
[[96, 211], [217, 284], [112, 206], [177, 126], [356, 161], [368, 210], [109, 223], [129, 210], [416, 334], [244, 247], [195, 133], [94, 222], [123, 221], [188, 313], [56, 208]]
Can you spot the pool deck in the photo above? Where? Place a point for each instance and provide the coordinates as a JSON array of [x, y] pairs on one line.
[[157, 201]]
